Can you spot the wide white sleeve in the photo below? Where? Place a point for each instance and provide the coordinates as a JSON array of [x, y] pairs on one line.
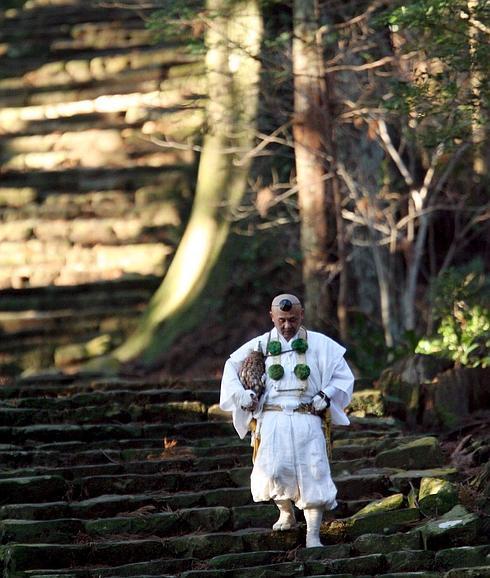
[[232, 389], [338, 384]]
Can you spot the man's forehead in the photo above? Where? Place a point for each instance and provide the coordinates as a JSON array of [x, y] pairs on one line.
[[285, 302]]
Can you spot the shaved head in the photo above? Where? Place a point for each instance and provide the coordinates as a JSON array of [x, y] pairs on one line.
[[287, 314], [285, 301]]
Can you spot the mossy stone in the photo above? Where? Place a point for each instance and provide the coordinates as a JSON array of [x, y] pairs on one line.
[[461, 557], [420, 454], [379, 543], [389, 503], [436, 496]]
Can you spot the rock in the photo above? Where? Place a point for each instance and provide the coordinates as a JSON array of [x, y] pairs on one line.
[[241, 560], [462, 557], [436, 496], [378, 543], [402, 481], [370, 564], [403, 381], [455, 394], [477, 572], [367, 402], [383, 505], [457, 527], [387, 522], [410, 560], [421, 453]]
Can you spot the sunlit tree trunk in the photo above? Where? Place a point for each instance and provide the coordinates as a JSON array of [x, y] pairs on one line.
[[478, 124], [311, 128], [233, 42]]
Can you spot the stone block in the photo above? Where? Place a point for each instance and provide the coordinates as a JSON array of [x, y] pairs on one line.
[[462, 557], [410, 560], [32, 489], [379, 543], [393, 502], [436, 496], [457, 527], [246, 559], [44, 532], [420, 454], [476, 572], [372, 564], [367, 402]]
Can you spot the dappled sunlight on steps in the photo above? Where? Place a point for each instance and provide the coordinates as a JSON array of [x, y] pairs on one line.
[[138, 478]]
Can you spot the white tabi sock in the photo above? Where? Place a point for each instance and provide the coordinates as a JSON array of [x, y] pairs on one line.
[[286, 519], [313, 517]]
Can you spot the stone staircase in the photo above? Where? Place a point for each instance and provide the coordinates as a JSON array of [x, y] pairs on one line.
[[88, 194], [113, 477]]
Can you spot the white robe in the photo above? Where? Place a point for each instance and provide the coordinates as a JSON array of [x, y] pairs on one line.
[[292, 462]]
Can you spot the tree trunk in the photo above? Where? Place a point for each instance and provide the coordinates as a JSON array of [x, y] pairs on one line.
[[311, 127], [233, 42]]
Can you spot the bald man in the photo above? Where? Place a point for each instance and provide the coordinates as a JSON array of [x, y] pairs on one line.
[[305, 373]]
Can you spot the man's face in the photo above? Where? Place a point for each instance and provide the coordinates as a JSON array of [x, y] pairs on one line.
[[287, 322]]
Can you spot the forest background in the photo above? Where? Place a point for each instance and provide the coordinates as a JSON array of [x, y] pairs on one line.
[[345, 159], [343, 156]]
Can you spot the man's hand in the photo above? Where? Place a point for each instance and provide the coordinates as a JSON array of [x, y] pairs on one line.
[[248, 400], [320, 401]]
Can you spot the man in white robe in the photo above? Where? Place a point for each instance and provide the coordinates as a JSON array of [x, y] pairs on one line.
[[291, 464]]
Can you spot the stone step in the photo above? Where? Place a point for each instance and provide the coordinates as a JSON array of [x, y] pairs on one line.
[[53, 390], [29, 324], [87, 433], [143, 504], [161, 524], [87, 179], [22, 557], [101, 98], [21, 23], [80, 399], [26, 488], [172, 412], [152, 466], [101, 294]]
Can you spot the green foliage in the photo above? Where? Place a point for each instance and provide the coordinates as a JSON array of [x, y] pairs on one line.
[[438, 99], [367, 348], [179, 21], [463, 333]]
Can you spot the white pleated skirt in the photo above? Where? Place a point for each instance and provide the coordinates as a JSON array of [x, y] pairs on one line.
[[292, 462]]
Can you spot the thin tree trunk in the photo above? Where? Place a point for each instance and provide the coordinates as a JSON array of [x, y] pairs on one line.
[[310, 128]]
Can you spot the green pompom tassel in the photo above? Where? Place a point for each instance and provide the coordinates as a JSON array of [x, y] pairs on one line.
[[276, 371], [301, 371], [299, 345], [274, 347]]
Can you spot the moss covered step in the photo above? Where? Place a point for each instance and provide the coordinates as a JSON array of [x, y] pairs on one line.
[[108, 431], [112, 412], [145, 467], [108, 505], [16, 457], [99, 294], [21, 557], [162, 524], [104, 397]]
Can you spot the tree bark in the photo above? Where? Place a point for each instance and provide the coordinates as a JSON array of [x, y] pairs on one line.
[[311, 128], [233, 41]]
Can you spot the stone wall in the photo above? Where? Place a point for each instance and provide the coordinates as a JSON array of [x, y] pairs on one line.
[[88, 194]]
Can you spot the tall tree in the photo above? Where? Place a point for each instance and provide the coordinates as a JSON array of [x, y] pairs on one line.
[[233, 38], [312, 138]]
